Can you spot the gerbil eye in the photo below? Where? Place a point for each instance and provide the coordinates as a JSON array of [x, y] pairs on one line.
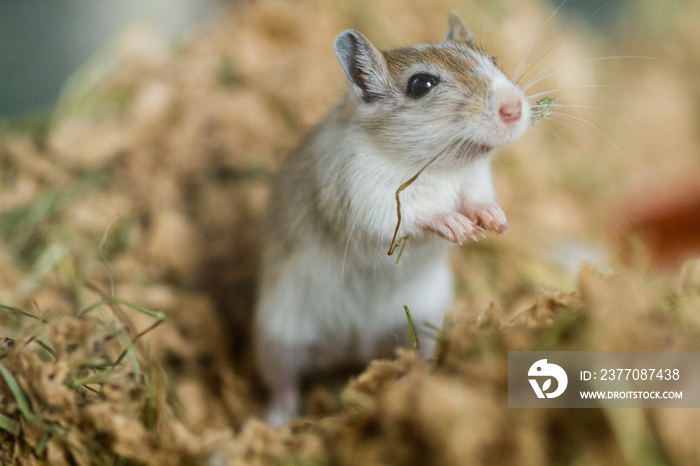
[[420, 84]]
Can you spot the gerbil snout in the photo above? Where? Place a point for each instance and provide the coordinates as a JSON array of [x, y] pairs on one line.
[[510, 111]]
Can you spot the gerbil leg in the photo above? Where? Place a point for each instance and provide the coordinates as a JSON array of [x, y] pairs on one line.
[[284, 403], [452, 226], [279, 366], [478, 201], [488, 216]]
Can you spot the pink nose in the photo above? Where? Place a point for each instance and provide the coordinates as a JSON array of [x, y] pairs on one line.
[[510, 111]]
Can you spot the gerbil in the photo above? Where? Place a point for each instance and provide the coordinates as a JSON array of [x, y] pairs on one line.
[[329, 293]]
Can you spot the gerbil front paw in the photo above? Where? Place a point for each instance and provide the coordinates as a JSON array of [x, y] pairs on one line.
[[489, 216], [453, 227]]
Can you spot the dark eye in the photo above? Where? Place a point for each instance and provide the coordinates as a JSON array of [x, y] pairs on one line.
[[420, 84]]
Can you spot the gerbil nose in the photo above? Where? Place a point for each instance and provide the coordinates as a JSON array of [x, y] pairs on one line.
[[510, 111]]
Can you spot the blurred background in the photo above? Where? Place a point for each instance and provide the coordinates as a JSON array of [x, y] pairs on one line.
[[44, 43], [137, 143]]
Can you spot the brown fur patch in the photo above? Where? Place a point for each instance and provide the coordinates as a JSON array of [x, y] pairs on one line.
[[452, 60]]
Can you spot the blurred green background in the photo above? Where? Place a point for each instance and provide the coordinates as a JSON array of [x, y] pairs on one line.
[[43, 43]]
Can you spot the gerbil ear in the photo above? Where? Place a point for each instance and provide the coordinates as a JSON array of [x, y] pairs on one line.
[[457, 31], [363, 65]]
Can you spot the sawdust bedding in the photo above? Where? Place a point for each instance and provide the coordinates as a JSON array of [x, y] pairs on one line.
[[129, 224]]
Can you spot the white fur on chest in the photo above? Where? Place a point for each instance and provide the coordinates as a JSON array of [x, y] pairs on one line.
[[370, 181]]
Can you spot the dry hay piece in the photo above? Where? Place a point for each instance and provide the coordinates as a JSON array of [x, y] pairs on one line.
[[453, 411], [80, 388]]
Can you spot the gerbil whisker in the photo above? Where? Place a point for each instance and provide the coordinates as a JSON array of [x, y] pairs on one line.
[[562, 39], [347, 248], [571, 88], [615, 108], [587, 123], [551, 132], [537, 36], [535, 130], [488, 39], [545, 73], [579, 49], [591, 107], [539, 131]]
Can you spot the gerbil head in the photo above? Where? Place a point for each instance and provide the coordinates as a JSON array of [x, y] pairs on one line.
[[412, 102]]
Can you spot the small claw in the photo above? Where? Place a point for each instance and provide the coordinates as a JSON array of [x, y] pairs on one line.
[[488, 216]]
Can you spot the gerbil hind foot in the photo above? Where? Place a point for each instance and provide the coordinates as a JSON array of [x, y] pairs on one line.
[[488, 216], [283, 405]]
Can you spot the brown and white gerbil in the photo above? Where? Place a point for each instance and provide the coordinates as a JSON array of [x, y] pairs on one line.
[[329, 293]]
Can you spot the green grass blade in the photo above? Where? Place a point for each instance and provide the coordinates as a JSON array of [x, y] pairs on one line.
[[15, 310], [415, 344], [92, 307], [22, 402], [155, 314], [10, 425]]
